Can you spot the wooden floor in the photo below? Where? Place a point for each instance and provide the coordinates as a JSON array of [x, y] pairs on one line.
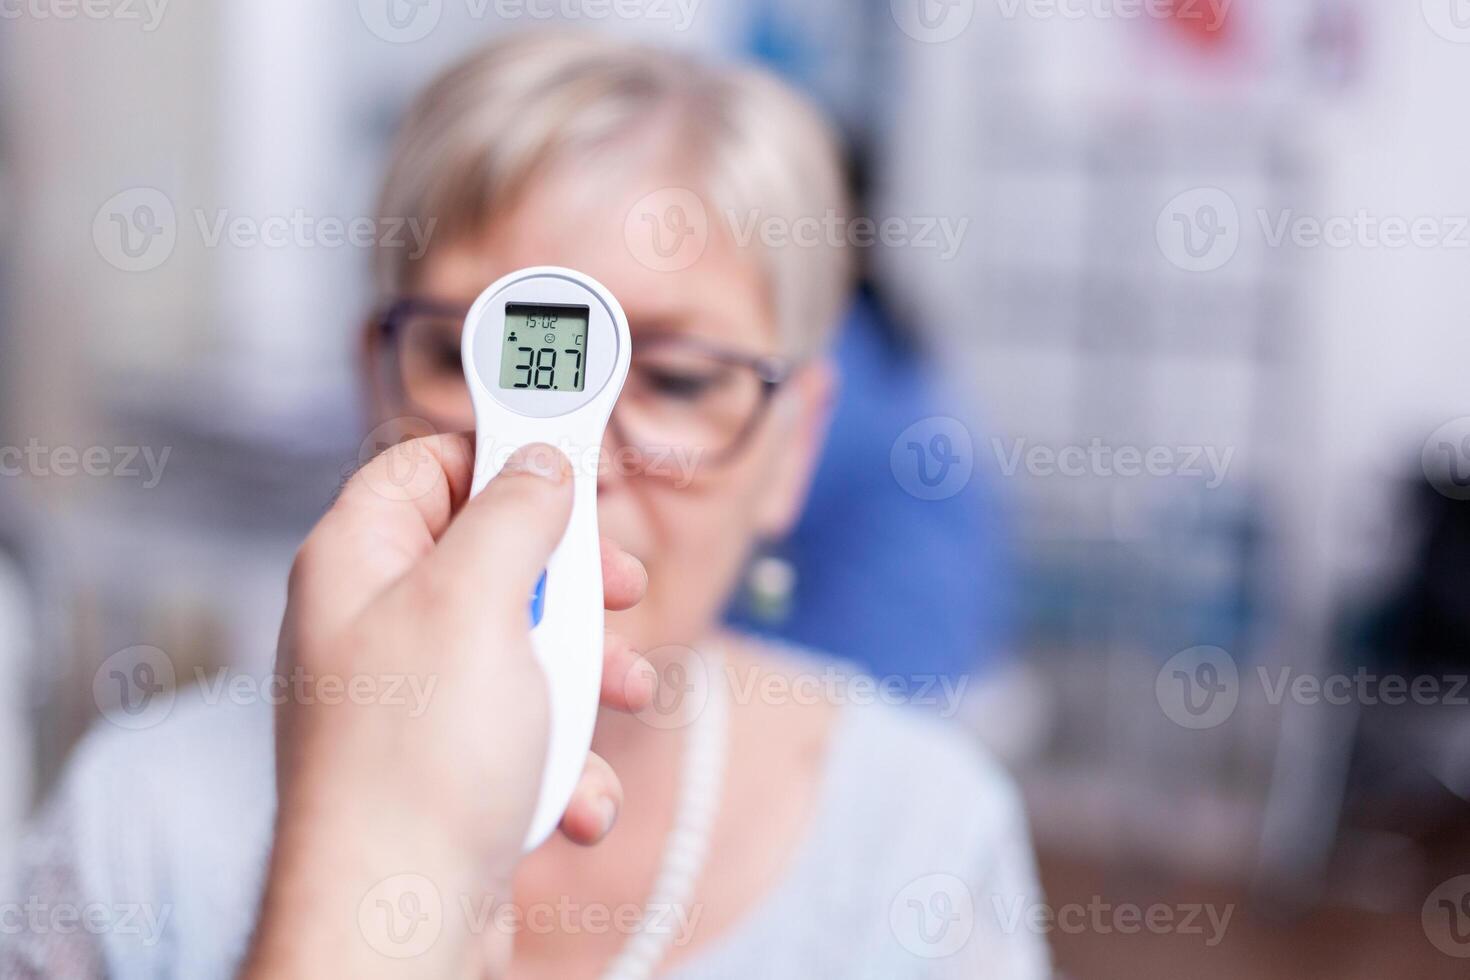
[[1328, 943]]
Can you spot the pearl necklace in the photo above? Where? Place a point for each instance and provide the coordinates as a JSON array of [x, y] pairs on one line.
[[702, 776]]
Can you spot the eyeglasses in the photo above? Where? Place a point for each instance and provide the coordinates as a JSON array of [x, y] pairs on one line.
[[684, 397]]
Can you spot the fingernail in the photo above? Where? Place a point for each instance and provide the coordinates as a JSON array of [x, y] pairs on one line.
[[537, 459], [608, 810]]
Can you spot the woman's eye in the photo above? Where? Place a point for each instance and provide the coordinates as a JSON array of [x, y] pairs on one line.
[[682, 385], [443, 358]]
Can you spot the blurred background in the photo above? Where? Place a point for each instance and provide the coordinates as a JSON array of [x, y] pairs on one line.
[[1157, 407]]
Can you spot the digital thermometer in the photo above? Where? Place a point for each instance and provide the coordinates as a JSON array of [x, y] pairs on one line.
[[545, 352]]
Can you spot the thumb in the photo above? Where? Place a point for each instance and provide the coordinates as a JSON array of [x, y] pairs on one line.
[[498, 545]]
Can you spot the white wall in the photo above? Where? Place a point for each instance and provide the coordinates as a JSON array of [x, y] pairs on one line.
[[1395, 323]]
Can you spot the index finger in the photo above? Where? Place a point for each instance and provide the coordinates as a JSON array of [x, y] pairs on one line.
[[624, 579]]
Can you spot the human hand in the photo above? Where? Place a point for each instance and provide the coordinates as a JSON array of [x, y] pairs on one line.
[[427, 595]]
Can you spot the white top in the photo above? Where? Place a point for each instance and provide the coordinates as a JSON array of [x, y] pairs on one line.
[[918, 863]]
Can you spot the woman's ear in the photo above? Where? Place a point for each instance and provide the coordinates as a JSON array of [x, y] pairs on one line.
[[802, 411]]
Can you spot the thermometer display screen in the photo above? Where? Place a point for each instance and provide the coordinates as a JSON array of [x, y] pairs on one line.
[[545, 347]]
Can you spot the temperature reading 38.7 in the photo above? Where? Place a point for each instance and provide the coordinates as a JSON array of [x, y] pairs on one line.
[[545, 347]]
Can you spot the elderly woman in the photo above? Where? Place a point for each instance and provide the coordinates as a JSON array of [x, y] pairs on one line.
[[777, 821]]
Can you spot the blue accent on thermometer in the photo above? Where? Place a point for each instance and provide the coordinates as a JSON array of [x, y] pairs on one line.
[[538, 600]]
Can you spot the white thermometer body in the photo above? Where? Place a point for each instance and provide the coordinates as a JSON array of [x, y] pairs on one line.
[[545, 352]]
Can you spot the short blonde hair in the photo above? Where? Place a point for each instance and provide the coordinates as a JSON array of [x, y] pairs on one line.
[[474, 140]]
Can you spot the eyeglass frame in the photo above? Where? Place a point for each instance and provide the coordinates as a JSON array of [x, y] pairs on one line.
[[772, 372]]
